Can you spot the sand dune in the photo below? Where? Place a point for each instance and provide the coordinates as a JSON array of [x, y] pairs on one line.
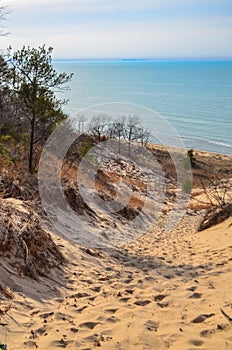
[[162, 291]]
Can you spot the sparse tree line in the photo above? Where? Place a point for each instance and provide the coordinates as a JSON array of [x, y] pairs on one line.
[[127, 128]]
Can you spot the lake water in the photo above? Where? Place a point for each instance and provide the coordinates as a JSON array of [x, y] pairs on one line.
[[195, 97]]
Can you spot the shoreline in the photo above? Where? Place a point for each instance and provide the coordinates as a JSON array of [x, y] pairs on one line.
[[181, 150]]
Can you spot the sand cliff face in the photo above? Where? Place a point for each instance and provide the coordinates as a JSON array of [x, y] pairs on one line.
[[156, 290]]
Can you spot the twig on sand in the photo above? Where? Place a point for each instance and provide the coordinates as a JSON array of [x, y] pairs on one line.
[[226, 316]]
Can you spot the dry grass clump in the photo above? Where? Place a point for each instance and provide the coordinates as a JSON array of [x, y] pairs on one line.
[[215, 216], [18, 186], [9, 187], [23, 240], [75, 200], [4, 308], [6, 291]]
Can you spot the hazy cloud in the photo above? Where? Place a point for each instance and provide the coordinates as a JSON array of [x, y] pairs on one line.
[[107, 28]]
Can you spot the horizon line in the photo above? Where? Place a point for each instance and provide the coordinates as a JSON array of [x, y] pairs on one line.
[[146, 59]]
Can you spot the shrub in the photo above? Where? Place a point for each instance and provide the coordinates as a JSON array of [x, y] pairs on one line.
[[187, 186], [191, 157]]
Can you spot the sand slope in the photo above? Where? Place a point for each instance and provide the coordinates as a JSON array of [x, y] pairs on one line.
[[162, 291]]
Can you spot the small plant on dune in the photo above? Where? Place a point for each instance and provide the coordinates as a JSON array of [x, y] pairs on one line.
[[217, 191], [4, 151], [190, 161], [6, 291], [218, 194], [4, 308], [186, 186], [84, 148]]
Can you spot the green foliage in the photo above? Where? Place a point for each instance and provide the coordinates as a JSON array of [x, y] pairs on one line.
[[83, 150], [190, 161], [3, 71], [34, 80], [33, 73], [4, 149], [186, 186], [187, 164], [191, 157]]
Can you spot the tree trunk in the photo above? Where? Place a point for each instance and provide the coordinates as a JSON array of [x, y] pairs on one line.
[[31, 150]]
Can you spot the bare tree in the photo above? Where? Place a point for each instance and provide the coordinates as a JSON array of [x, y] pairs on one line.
[[117, 130], [143, 136], [98, 125], [3, 64], [218, 191], [4, 10], [130, 129], [81, 120]]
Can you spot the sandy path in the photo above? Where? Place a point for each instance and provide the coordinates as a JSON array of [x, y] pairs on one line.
[[160, 292]]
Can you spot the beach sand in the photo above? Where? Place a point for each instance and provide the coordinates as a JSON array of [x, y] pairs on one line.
[[161, 291]]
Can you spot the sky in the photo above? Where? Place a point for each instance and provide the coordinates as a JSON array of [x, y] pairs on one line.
[[115, 29]]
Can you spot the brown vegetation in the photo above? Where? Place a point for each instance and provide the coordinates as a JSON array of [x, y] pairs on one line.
[[215, 216], [24, 242]]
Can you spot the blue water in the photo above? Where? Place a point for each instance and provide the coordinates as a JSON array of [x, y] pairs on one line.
[[194, 96]]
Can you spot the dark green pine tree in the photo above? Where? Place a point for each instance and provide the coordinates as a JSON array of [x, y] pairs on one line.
[[34, 81]]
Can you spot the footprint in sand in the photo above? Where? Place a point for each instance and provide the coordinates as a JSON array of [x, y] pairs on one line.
[[47, 314], [81, 308], [192, 289], [113, 319], [30, 344], [80, 295], [111, 311], [128, 281], [195, 296], [74, 330], [95, 339], [63, 317], [162, 305], [61, 343], [124, 300], [159, 297], [129, 291], [196, 342], [152, 325], [206, 333], [91, 298], [142, 302], [89, 325], [96, 289], [38, 332], [201, 318]]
